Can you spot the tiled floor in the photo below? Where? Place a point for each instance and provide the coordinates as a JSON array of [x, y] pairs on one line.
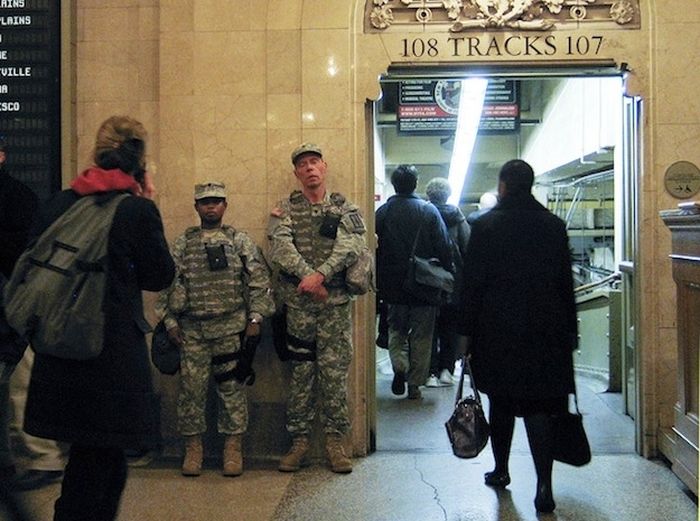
[[414, 477]]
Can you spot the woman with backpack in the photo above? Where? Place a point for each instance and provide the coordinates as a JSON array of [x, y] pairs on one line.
[[105, 405]]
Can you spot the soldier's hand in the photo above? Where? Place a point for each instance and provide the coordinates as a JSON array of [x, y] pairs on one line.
[[321, 295], [311, 283], [252, 329], [176, 337]]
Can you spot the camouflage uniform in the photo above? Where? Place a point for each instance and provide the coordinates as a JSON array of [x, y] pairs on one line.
[[211, 307], [319, 333]]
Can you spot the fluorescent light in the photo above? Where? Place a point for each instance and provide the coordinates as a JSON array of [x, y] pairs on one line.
[[471, 103]]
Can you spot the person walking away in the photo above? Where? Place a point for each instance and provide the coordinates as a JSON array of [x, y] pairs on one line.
[[106, 405], [314, 236], [487, 201], [520, 322], [213, 312], [402, 220], [444, 347]]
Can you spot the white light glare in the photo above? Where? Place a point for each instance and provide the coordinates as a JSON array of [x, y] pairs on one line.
[[471, 103]]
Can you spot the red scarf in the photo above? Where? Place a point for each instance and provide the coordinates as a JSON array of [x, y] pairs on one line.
[[95, 180]]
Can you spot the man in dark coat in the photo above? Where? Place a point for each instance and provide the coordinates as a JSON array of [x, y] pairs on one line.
[[403, 218], [520, 319], [105, 405]]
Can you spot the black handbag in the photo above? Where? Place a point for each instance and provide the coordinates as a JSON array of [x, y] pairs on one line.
[[570, 443], [165, 354], [426, 279], [467, 428]]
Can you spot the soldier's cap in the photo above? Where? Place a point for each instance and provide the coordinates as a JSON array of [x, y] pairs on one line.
[[3, 143], [306, 148], [209, 189]]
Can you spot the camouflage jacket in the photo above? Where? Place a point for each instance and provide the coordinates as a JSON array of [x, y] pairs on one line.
[[221, 291], [326, 237]]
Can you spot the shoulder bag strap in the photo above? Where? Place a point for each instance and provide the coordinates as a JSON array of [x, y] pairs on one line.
[[420, 226]]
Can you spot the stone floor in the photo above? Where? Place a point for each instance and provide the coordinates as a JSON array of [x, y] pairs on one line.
[[414, 477]]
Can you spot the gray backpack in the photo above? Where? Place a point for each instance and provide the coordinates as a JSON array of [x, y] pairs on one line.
[[55, 295]]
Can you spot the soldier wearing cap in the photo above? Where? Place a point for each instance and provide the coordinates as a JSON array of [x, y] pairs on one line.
[[213, 311], [314, 236]]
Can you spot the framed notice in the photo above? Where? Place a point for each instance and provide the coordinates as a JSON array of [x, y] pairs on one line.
[[432, 106], [30, 92]]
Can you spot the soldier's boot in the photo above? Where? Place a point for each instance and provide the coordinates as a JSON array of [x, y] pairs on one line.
[[336, 454], [233, 458], [294, 459], [192, 463]]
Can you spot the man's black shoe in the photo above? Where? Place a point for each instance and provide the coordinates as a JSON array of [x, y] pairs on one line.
[[34, 479], [398, 385]]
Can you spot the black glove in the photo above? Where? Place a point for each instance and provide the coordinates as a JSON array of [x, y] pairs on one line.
[[244, 372]]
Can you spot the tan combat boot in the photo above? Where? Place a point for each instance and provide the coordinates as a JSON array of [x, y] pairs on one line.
[[292, 461], [233, 459], [192, 464], [336, 454]]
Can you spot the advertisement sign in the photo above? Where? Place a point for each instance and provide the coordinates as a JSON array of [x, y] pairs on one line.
[[432, 106]]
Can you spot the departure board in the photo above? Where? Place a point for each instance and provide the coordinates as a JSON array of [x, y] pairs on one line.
[[30, 92]]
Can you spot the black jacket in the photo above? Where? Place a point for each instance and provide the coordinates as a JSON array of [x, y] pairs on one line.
[[459, 231], [18, 208], [108, 401], [519, 303], [397, 223]]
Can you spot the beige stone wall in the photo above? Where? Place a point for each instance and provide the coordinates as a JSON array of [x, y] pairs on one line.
[[228, 87], [116, 62], [672, 135]]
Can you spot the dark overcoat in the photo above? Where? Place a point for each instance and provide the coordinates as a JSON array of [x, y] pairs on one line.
[[108, 401], [520, 310]]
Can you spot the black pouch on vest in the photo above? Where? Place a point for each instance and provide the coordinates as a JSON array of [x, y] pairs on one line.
[[216, 257], [329, 226]]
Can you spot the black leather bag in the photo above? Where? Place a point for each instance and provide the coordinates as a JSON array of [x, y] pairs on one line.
[[467, 428], [570, 443], [427, 279], [165, 355]]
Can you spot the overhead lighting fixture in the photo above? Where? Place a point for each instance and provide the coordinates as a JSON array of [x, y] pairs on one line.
[[471, 103]]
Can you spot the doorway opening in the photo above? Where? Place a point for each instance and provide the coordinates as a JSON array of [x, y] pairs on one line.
[[572, 127]]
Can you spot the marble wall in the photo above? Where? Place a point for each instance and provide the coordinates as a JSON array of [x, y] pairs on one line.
[[228, 87]]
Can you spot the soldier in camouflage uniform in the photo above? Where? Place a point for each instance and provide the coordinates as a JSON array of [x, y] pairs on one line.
[[213, 311], [314, 236]]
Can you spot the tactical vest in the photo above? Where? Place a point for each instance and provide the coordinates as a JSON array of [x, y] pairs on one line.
[[307, 220], [211, 292]]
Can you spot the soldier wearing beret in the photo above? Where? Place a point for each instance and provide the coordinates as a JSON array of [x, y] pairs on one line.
[[314, 236], [213, 311]]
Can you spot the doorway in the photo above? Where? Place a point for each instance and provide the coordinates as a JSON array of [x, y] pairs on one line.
[[573, 128]]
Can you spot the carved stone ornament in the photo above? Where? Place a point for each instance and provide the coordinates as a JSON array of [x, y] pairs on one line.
[[480, 15]]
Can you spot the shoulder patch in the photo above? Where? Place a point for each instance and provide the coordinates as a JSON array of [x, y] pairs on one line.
[[356, 222]]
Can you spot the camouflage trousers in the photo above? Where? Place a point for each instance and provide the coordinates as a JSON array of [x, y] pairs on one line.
[[321, 383], [195, 370]]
